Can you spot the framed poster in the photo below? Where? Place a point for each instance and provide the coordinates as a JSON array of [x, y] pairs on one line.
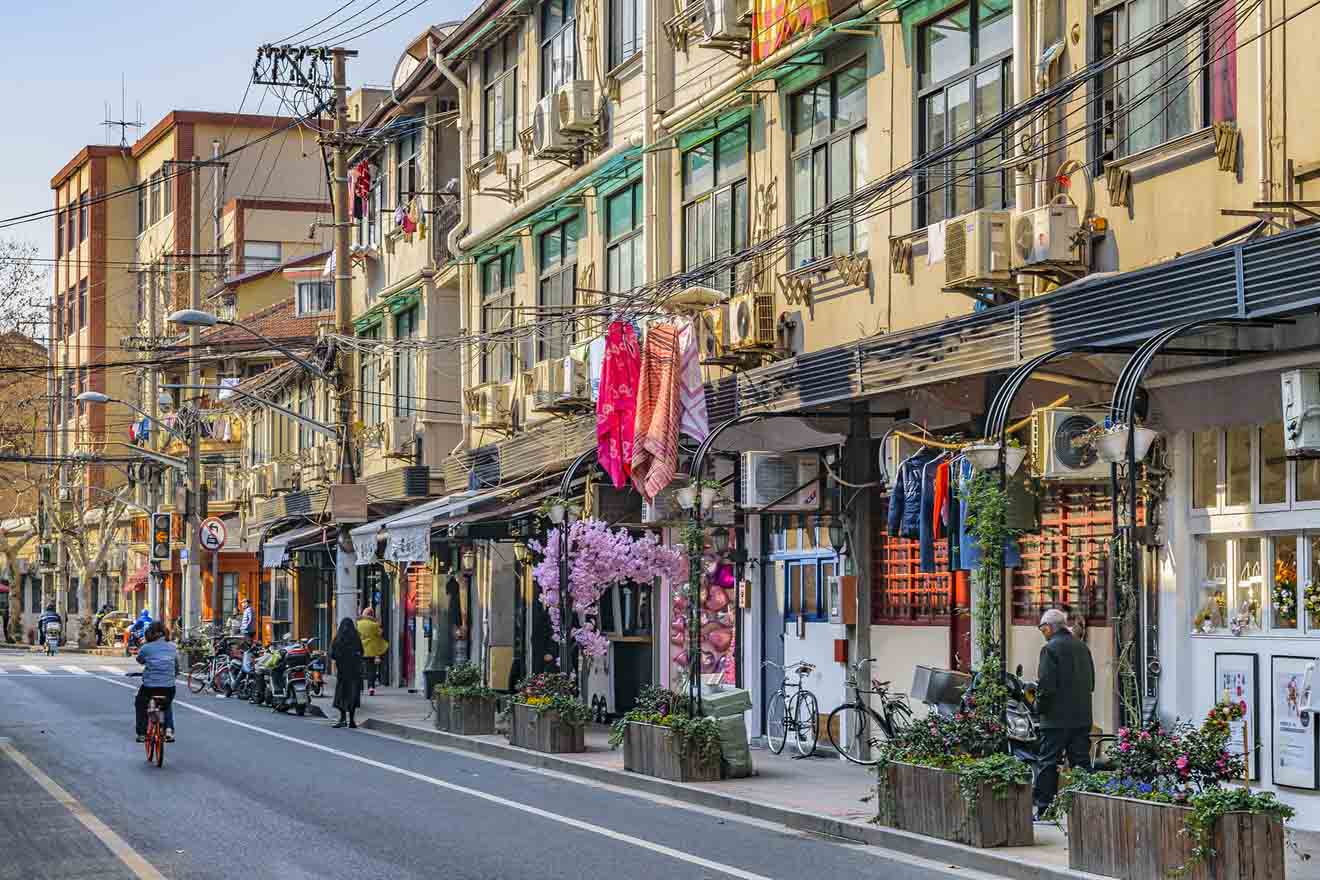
[[1292, 743], [1237, 678]]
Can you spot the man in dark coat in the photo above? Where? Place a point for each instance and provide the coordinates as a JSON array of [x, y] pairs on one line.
[[1067, 679]]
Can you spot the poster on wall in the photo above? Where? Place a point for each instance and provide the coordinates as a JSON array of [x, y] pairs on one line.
[[1293, 732], [1237, 680]]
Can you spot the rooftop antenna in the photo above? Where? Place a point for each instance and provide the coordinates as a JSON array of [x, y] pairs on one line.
[[122, 123]]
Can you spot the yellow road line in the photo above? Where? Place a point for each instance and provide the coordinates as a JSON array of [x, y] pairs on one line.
[[140, 867]]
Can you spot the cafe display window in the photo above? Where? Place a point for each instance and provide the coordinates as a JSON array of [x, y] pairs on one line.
[[1254, 585]]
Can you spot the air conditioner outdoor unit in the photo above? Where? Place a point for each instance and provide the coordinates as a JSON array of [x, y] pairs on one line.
[[547, 136], [713, 332], [1045, 234], [976, 249], [490, 405], [540, 385], [261, 481], [282, 475], [574, 380], [577, 105], [752, 320], [719, 20], [403, 433], [1054, 452], [1301, 410], [786, 481]]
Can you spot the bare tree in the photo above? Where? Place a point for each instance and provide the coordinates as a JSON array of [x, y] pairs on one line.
[[88, 531]]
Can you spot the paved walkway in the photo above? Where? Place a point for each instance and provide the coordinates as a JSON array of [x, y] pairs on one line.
[[821, 794]]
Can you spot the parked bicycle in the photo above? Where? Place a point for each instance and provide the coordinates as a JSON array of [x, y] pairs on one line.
[[856, 728], [792, 711]]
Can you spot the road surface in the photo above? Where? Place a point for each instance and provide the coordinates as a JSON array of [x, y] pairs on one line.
[[250, 794]]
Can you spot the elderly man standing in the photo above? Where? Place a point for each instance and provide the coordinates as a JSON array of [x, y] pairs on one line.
[[1067, 679]]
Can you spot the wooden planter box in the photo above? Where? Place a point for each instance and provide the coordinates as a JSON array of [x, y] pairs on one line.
[[1140, 840], [653, 750], [927, 801], [466, 716], [544, 732]]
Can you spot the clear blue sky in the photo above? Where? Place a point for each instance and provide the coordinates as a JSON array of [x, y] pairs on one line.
[[61, 62]]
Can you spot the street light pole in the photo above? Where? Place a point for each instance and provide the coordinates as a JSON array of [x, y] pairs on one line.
[[194, 591]]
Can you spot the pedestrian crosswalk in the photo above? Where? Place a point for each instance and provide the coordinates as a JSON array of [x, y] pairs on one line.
[[61, 669]]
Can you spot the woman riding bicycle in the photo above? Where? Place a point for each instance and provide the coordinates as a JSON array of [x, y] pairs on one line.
[[161, 661]]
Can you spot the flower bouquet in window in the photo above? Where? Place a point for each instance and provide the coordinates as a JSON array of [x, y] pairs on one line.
[[1311, 601], [1284, 594]]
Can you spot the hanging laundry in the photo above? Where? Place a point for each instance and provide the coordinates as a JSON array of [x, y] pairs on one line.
[[939, 516], [400, 215], [969, 551], [359, 207], [692, 397], [616, 407], [926, 525], [659, 409], [362, 179], [596, 364], [421, 226], [905, 498]]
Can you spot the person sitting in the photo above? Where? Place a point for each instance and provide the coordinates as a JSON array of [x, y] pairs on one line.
[[139, 628], [160, 660], [50, 620]]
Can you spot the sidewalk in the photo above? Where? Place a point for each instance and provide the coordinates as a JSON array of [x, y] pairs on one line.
[[821, 795]]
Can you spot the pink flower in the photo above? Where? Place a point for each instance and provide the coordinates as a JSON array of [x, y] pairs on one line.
[[1144, 736], [1125, 747], [1123, 733]]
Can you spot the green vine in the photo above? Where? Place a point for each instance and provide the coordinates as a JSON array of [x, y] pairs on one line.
[[666, 708], [1210, 806], [463, 682]]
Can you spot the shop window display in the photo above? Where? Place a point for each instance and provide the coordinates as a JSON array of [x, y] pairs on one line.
[[1248, 592], [1283, 591], [1212, 609]]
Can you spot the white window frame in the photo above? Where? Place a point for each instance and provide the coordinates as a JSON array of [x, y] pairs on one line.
[[322, 299], [256, 262]]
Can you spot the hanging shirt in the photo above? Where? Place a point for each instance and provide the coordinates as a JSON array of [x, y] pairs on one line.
[[926, 524], [939, 515], [616, 404], [659, 410], [693, 421], [905, 497], [969, 555]]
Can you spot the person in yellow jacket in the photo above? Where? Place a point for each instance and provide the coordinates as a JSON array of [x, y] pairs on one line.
[[373, 646]]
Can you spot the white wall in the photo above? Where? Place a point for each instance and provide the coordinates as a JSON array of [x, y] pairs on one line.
[[898, 651]]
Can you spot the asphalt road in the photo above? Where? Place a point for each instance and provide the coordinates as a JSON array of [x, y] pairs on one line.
[[247, 793]]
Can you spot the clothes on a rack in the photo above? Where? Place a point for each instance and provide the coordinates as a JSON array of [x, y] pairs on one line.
[[940, 514], [905, 498], [616, 405], [659, 410], [926, 523], [694, 422], [969, 554]]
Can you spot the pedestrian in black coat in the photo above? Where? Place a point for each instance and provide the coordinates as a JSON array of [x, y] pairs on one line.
[[1067, 680], [346, 651]]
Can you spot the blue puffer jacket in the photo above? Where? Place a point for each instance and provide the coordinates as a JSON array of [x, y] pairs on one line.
[[905, 496]]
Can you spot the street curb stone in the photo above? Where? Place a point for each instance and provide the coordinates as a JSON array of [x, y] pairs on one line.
[[918, 845]]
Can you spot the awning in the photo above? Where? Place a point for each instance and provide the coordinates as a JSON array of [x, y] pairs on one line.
[[275, 552], [138, 579], [408, 532]]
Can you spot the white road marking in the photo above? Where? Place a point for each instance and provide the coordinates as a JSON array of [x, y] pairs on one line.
[[481, 795], [77, 670], [37, 670], [113, 670], [140, 867]]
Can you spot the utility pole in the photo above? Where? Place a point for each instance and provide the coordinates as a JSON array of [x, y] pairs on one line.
[[194, 600], [153, 486]]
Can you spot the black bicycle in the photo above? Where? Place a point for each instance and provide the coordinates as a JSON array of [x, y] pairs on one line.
[[792, 711], [856, 728]]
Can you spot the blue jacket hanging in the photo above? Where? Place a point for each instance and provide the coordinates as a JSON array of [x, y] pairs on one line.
[[905, 499]]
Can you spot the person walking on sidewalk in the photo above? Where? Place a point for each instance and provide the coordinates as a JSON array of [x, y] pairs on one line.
[[346, 651], [373, 646], [1067, 679]]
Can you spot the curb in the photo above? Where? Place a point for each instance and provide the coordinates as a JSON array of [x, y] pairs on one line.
[[906, 842]]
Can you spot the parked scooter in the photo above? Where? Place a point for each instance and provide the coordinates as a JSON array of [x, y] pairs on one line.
[[316, 671], [287, 667]]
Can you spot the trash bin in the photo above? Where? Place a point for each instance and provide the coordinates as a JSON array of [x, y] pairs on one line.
[[727, 705]]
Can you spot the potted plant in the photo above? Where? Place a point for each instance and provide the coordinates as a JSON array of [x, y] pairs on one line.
[[548, 715], [1167, 807], [462, 704], [661, 739]]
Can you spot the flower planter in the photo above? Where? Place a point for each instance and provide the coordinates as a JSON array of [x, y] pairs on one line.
[[1140, 840], [545, 732], [466, 716], [927, 800], [652, 750]]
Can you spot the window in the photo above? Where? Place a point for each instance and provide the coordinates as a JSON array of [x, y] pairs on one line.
[[368, 227], [228, 593], [627, 29], [59, 233], [142, 209], [142, 295], [260, 255], [1245, 468], [69, 232], [279, 595], [316, 297], [496, 316], [625, 250], [405, 364], [499, 130], [966, 81], [1205, 469], [369, 380], [306, 409], [82, 217], [829, 161], [57, 318], [82, 303], [1155, 97], [715, 220], [558, 44], [70, 310], [407, 149], [155, 197], [167, 193], [556, 290]]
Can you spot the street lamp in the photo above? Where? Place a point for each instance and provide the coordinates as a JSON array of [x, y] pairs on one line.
[[98, 397], [198, 318]]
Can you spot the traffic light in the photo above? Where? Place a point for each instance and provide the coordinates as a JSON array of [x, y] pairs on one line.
[[160, 535]]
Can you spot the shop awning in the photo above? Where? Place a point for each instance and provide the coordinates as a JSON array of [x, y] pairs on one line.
[[138, 579], [275, 552], [408, 532]]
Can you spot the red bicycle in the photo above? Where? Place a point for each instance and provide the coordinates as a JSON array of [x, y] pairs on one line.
[[155, 732]]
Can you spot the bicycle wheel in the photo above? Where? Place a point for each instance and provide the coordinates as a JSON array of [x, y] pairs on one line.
[[199, 676], [775, 731], [160, 743], [854, 726], [806, 726]]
